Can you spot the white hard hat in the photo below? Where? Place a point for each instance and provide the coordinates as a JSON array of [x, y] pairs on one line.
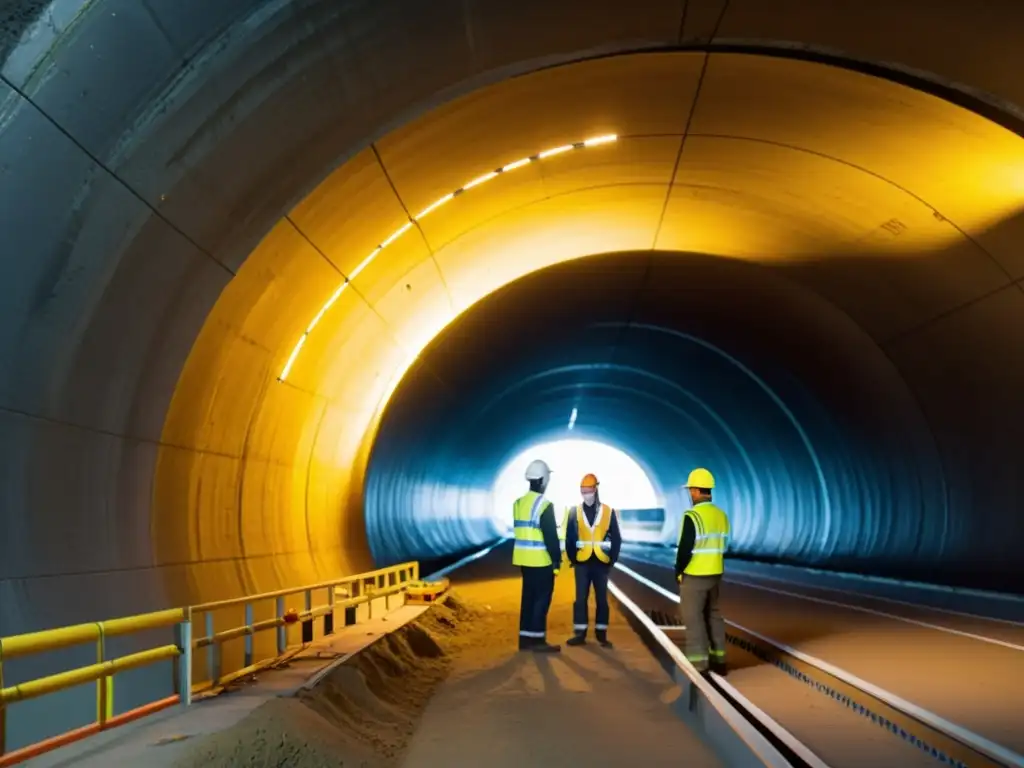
[[538, 470]]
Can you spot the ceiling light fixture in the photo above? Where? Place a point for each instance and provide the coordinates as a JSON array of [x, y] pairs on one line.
[[592, 142]]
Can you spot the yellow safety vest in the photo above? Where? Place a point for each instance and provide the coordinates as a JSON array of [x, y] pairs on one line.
[[529, 550], [591, 541], [711, 525]]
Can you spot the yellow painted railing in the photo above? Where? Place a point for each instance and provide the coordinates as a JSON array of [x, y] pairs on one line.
[[346, 594]]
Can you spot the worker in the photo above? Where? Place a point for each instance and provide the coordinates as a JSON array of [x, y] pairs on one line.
[[592, 542], [699, 567], [538, 554]]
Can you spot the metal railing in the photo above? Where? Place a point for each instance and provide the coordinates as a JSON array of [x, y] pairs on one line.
[[102, 672], [346, 594], [343, 594]]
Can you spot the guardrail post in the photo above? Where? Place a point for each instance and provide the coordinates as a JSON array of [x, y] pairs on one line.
[[248, 635], [282, 631], [105, 685], [183, 664], [212, 650], [3, 707], [307, 624], [329, 616]]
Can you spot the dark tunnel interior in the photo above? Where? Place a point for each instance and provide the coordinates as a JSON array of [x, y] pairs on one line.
[[284, 284], [820, 448]]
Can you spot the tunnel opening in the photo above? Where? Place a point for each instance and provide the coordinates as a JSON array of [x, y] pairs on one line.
[[624, 483]]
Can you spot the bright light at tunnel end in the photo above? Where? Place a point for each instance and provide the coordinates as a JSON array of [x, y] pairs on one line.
[[591, 142], [624, 483]]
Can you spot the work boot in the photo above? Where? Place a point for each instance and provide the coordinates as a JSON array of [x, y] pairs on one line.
[[526, 643], [580, 638], [545, 647], [720, 668], [602, 638]]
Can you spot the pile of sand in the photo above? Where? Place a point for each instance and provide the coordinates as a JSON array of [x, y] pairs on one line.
[[361, 714]]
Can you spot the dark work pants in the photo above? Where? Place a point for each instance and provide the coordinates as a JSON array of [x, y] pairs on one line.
[[538, 587], [592, 573], [705, 628]]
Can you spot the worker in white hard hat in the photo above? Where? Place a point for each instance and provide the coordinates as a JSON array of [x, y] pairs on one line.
[[538, 554], [700, 563], [592, 543]]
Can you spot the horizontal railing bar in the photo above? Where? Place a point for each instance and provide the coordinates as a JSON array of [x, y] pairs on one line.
[[237, 601], [62, 680], [369, 586], [321, 610], [70, 737], [55, 639]]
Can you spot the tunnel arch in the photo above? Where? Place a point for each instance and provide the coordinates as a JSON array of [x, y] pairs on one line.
[[145, 277], [512, 375]]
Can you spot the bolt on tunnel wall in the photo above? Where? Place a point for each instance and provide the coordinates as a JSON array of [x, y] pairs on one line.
[[188, 185]]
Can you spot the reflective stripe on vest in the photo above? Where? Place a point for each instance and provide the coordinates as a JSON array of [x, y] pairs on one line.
[[591, 539], [711, 525], [529, 550]]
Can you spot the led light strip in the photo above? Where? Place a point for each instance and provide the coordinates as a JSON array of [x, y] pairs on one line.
[[592, 142]]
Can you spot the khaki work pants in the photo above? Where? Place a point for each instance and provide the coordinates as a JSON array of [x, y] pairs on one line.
[[705, 627]]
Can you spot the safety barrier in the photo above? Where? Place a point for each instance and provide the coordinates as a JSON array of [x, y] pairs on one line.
[[346, 594], [353, 591], [102, 672]]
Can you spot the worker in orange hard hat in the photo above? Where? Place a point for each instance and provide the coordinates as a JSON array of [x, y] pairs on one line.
[[592, 543]]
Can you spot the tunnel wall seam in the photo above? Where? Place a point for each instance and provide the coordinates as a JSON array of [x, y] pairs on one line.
[[112, 174]]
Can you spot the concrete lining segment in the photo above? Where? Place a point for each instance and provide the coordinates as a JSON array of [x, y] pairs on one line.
[[149, 151]]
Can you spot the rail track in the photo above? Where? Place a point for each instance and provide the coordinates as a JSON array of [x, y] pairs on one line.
[[812, 712]]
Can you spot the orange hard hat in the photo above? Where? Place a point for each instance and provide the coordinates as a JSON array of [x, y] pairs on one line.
[[589, 481]]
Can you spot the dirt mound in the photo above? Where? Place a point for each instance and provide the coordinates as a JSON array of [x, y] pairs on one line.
[[281, 732], [361, 714]]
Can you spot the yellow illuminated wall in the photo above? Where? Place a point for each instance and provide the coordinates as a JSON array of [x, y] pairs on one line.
[[784, 161]]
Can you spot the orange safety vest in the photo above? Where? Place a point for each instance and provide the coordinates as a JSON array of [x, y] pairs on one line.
[[592, 540]]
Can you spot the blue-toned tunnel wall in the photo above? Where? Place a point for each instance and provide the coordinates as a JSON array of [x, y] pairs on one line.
[[820, 452]]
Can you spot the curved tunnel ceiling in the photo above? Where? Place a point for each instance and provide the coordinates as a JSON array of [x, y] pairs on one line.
[[817, 443], [149, 148]]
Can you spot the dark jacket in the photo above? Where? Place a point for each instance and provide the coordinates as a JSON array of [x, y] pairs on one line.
[[549, 529], [686, 541], [572, 534]]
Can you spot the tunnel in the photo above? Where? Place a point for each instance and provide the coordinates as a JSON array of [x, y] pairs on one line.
[[285, 283]]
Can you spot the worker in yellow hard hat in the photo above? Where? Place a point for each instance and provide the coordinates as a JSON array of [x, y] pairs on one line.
[[699, 567], [592, 543], [538, 554]]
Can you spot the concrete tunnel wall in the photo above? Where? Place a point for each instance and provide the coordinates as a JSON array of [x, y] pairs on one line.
[[186, 183]]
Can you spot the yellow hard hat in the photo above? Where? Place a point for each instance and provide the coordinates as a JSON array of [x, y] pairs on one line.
[[589, 481], [700, 478]]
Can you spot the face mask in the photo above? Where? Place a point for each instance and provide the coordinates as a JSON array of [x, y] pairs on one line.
[[588, 498]]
